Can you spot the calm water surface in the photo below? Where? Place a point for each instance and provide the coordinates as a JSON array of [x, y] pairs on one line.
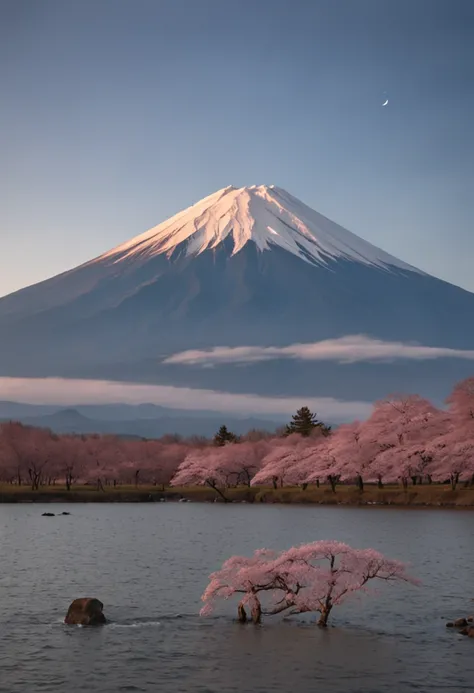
[[149, 565]]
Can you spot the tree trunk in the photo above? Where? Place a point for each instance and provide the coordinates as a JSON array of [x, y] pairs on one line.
[[379, 482], [404, 483], [317, 483], [217, 490], [324, 616], [256, 613], [304, 486], [274, 482], [360, 483], [332, 481], [35, 479], [241, 613]]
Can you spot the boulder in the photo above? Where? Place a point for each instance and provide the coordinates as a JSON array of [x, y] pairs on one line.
[[65, 513], [85, 612], [450, 624], [48, 515], [460, 623]]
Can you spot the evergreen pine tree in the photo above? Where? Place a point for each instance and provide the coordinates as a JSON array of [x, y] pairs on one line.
[[224, 436], [304, 421]]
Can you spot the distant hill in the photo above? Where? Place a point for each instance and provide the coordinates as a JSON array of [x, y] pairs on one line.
[[73, 420]]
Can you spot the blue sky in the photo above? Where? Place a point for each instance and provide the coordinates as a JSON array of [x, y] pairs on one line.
[[118, 113]]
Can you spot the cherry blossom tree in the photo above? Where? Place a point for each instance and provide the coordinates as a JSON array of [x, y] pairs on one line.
[[312, 577], [242, 460], [221, 467], [279, 466], [161, 462], [451, 454], [353, 454], [203, 468], [37, 449], [70, 458], [401, 427], [100, 459], [12, 457], [461, 401], [451, 451]]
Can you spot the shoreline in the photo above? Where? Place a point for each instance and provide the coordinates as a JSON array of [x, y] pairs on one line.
[[420, 496]]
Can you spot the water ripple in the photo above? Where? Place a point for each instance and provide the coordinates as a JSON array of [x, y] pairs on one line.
[[149, 565]]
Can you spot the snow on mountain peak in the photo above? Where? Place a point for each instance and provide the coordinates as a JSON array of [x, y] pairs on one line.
[[266, 215]]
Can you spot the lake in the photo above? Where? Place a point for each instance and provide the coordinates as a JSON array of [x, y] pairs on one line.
[[149, 564]]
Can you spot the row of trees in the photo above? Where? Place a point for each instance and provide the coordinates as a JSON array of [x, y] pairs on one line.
[[37, 456], [405, 440]]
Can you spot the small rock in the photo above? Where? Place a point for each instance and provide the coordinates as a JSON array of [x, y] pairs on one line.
[[460, 623], [85, 612], [450, 624], [48, 515], [470, 619], [65, 513]]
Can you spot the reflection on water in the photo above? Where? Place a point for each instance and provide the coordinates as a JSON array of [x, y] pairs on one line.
[[149, 565]]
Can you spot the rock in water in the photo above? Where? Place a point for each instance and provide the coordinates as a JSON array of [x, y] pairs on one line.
[[85, 612], [48, 515]]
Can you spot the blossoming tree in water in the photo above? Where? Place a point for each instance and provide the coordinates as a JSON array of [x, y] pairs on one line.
[[312, 577]]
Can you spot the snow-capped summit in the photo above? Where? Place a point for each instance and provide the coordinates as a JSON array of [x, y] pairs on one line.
[[265, 215]]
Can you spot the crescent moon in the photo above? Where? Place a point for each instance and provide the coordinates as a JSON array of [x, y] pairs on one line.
[[386, 102]]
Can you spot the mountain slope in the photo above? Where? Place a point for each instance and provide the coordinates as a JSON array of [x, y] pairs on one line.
[[248, 266]]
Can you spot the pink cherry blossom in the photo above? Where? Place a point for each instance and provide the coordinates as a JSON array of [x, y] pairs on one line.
[[312, 577]]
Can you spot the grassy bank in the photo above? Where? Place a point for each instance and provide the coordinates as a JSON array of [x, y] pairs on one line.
[[427, 496]]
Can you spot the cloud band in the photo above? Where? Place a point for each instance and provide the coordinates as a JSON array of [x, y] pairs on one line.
[[345, 350]]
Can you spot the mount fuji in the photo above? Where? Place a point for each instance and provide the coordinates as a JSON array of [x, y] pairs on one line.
[[247, 291]]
